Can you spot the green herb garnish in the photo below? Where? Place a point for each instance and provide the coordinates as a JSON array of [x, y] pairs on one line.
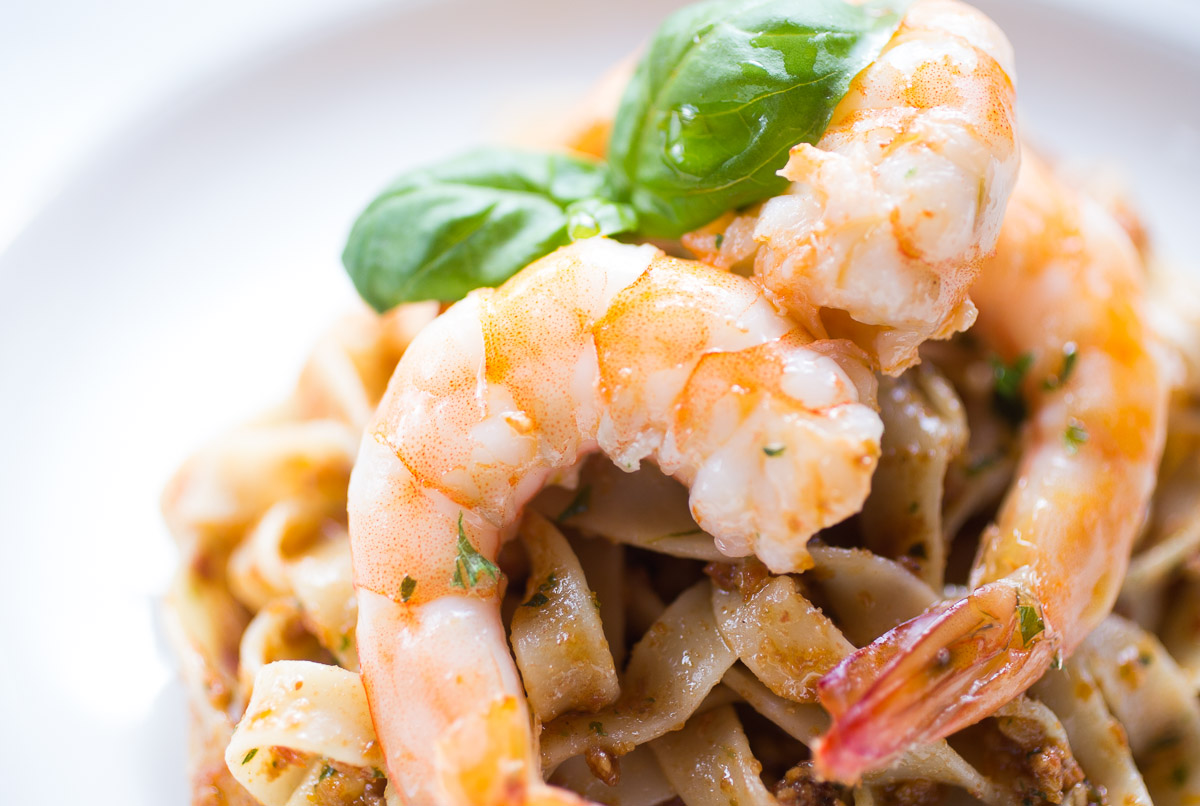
[[326, 771], [475, 220], [539, 597], [981, 464], [579, 504], [1070, 355], [1031, 623], [1164, 742], [1007, 379], [408, 585], [1075, 436], [774, 450], [724, 91], [597, 728], [246, 758], [470, 564]]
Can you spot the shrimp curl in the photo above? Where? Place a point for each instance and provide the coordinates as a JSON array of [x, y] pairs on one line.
[[891, 213], [597, 346], [1065, 281]]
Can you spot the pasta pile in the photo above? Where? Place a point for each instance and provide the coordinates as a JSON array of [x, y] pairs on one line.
[[659, 670]]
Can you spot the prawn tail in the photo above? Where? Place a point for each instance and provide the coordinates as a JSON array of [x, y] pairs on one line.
[[484, 759], [930, 676]]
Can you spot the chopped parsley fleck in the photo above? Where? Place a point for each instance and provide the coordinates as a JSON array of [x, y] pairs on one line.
[[1031, 623], [326, 771], [537, 600], [409, 585], [539, 597], [720, 239], [344, 644], [1057, 662], [378, 772], [1070, 356], [774, 450], [1163, 742], [981, 464], [911, 172], [597, 728], [1075, 436], [1145, 658], [579, 504], [470, 564], [1007, 399], [246, 758]]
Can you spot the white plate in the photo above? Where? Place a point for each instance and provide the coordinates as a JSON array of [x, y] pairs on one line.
[[174, 288]]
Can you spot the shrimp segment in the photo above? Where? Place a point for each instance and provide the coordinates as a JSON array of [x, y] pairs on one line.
[[1065, 279], [597, 346], [891, 213]]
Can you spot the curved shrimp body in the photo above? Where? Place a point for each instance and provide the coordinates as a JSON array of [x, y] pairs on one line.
[[597, 346], [891, 213], [1065, 281]]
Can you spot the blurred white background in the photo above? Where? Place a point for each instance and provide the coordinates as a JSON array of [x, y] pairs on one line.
[[73, 72]]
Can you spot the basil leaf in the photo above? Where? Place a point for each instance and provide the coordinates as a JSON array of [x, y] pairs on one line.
[[725, 89], [475, 220]]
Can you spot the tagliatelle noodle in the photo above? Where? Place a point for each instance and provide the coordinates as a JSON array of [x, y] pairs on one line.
[[640, 783], [785, 641], [315, 712], [1155, 704], [643, 508], [709, 762], [556, 634], [267, 588], [1097, 739], [671, 670], [924, 428]]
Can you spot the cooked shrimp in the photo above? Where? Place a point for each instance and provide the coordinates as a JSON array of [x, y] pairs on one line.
[[1065, 287], [598, 345], [892, 212]]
